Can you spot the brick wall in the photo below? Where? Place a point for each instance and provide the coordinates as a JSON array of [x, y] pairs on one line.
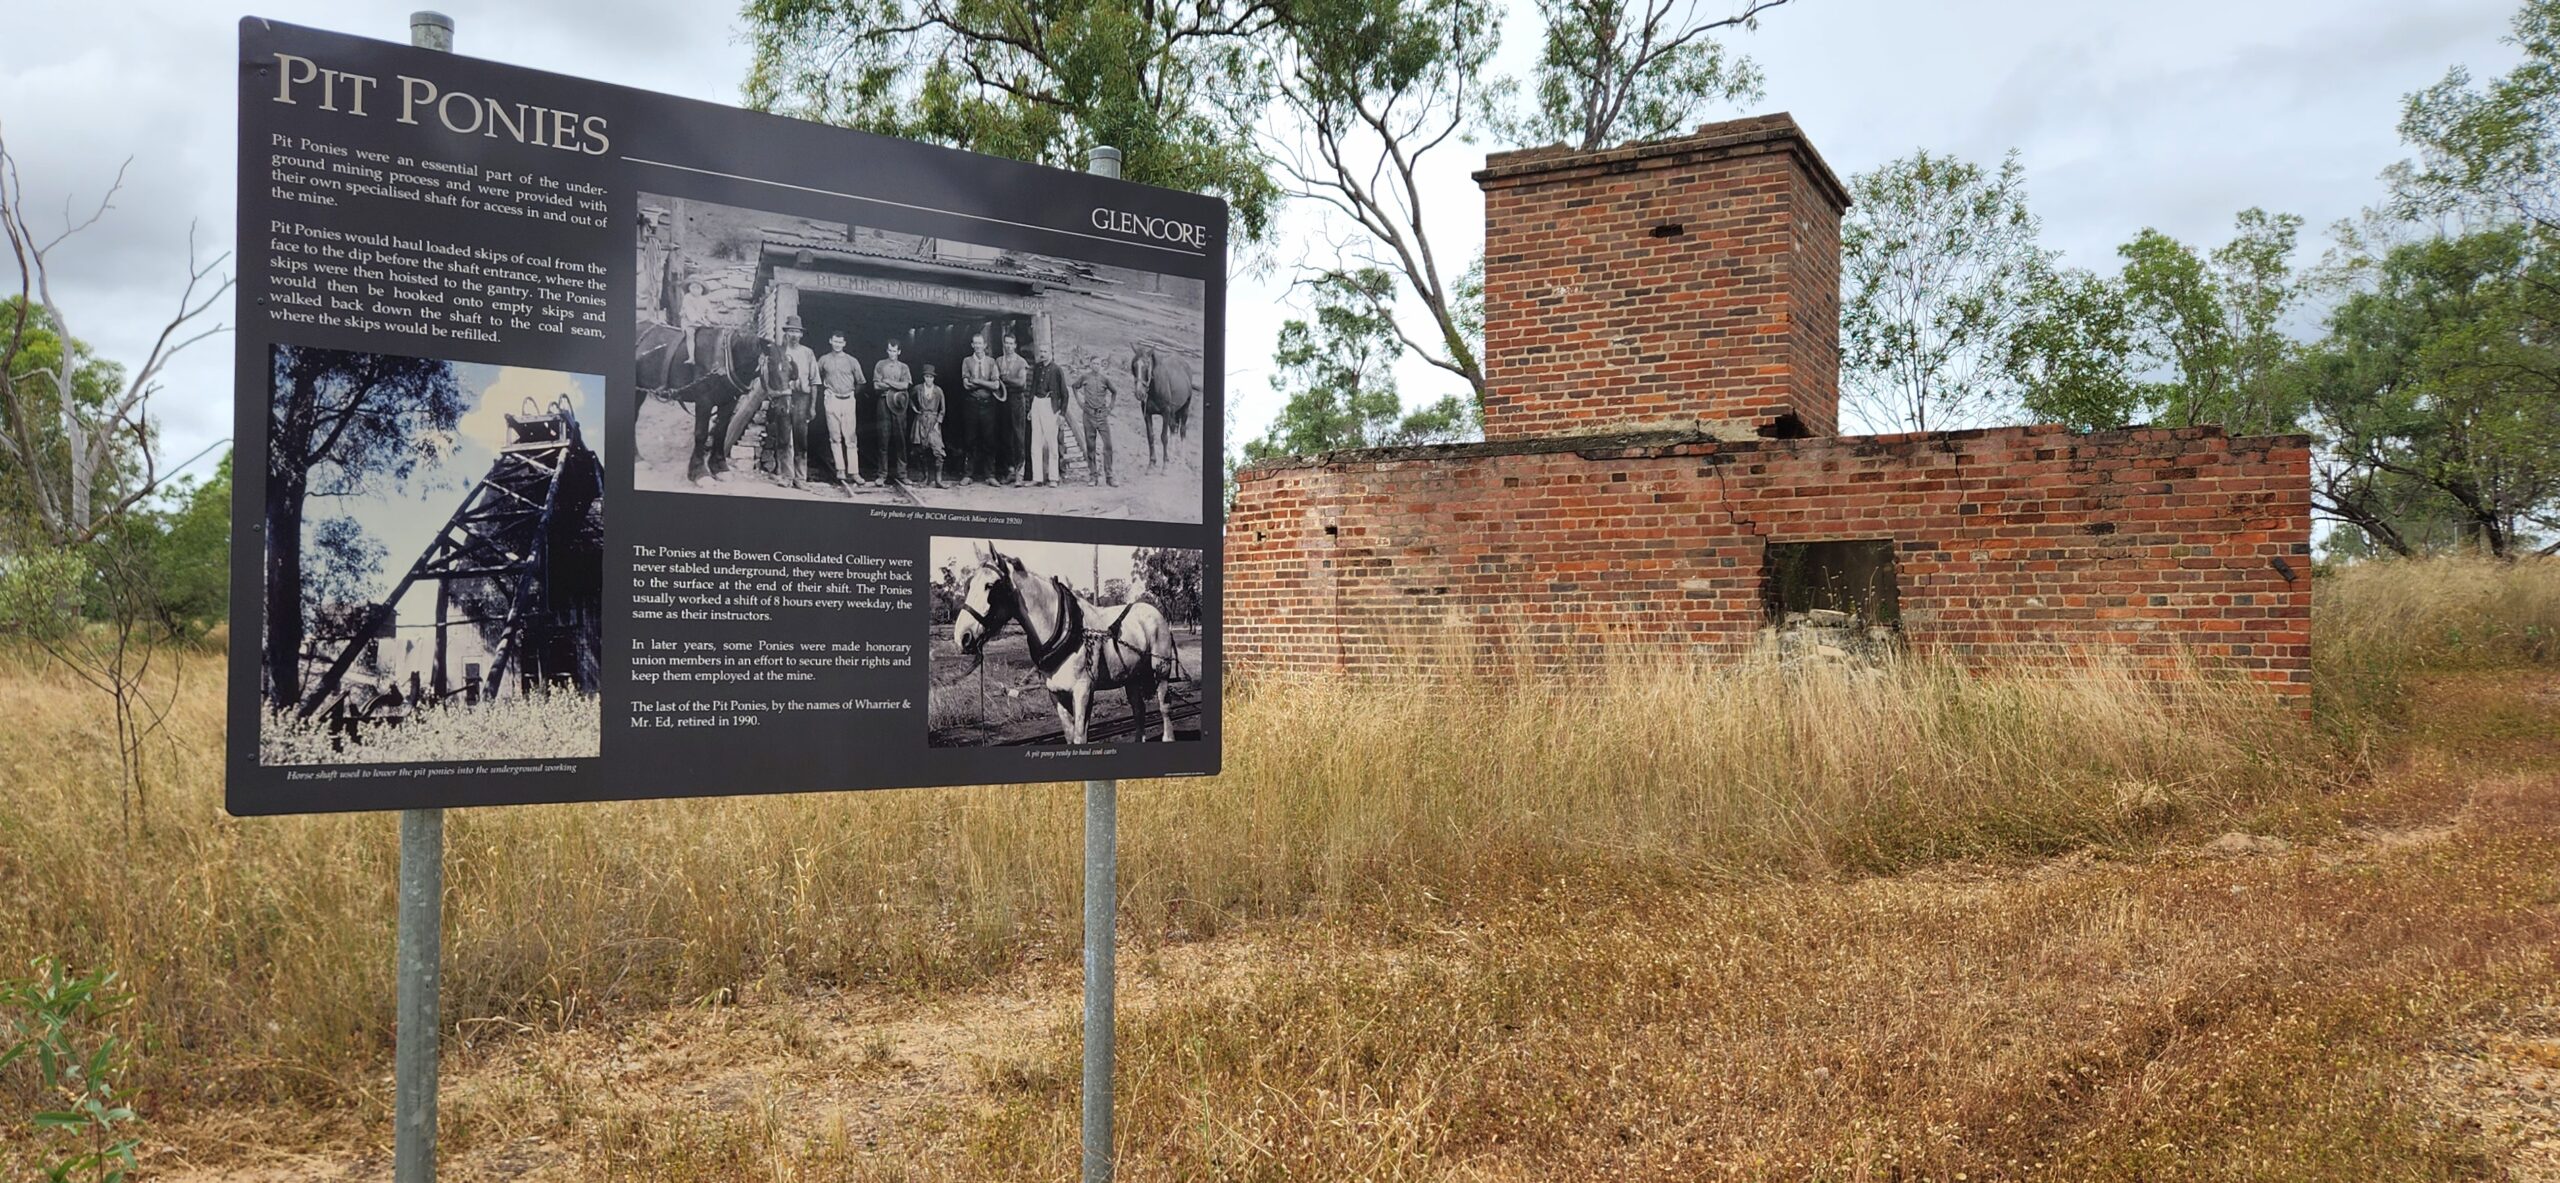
[[2008, 543], [1687, 284], [1662, 351]]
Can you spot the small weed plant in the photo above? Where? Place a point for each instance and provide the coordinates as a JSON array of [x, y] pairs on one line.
[[53, 1021]]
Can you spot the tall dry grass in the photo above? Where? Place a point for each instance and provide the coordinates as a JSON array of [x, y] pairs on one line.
[[260, 948], [2377, 624], [544, 725], [2444, 613]]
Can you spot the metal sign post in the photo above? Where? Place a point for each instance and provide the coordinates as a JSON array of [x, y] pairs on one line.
[[1101, 920], [1101, 912], [421, 956], [421, 952]]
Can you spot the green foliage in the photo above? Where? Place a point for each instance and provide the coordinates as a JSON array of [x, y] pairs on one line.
[[2177, 337], [2210, 324], [168, 563], [1339, 377], [2437, 394], [2072, 357], [41, 591], [50, 1022], [1174, 86], [1339, 53], [1371, 88], [1618, 71], [1939, 273], [1172, 578], [191, 554], [31, 411], [2490, 151]]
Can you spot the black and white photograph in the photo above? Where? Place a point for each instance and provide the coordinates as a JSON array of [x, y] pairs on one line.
[[1061, 643], [785, 356], [434, 561]]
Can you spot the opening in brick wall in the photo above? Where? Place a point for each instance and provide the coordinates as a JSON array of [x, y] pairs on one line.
[[1831, 600]]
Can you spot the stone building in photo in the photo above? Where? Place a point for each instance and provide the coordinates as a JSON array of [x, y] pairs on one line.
[[1662, 468]]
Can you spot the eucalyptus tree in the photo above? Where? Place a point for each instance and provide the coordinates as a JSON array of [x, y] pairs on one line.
[[78, 447], [2436, 394], [1176, 86], [1614, 71], [1337, 374], [2178, 337], [1374, 91], [1940, 270]]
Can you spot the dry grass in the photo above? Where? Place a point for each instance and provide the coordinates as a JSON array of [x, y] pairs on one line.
[[2444, 613], [267, 933], [546, 725], [1672, 850], [2249, 1019], [2187, 1013], [2377, 624]]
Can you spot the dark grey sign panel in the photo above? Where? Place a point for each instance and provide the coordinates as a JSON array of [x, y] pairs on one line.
[[600, 444]]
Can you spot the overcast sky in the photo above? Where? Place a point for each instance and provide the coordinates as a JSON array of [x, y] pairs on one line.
[[2173, 113], [405, 516]]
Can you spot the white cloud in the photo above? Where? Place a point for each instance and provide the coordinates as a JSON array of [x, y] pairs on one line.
[[485, 424]]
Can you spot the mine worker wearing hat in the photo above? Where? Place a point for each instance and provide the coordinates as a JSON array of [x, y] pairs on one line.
[[1048, 397], [982, 385], [928, 405], [1096, 395], [1016, 374], [894, 389], [841, 377], [789, 414]]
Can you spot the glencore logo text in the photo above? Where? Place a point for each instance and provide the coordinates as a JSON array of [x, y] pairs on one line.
[[1116, 221]]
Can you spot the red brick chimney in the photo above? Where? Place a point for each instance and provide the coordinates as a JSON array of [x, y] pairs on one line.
[[1685, 284]]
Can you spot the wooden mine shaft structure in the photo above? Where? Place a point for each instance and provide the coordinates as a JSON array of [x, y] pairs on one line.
[[509, 530]]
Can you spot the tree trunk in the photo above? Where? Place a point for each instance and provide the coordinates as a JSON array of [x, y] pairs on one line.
[[83, 469], [284, 590]]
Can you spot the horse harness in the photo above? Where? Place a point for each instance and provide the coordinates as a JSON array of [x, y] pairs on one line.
[[686, 350], [1072, 633]]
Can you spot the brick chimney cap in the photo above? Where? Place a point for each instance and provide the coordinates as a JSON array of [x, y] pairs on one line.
[[1775, 132]]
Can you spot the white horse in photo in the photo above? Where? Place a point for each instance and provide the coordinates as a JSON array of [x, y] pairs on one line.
[[1080, 646]]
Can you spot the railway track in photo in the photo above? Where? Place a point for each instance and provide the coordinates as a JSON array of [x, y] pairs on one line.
[[1015, 710], [1186, 726]]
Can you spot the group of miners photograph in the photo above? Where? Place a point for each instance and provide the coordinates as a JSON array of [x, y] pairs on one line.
[[1004, 419], [783, 356]]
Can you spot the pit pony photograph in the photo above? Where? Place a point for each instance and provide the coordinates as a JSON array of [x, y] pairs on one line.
[[1047, 643]]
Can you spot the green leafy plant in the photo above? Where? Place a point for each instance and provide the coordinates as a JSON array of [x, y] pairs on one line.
[[51, 1020]]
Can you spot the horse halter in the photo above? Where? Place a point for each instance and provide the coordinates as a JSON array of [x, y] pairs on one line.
[[987, 627], [1070, 622]]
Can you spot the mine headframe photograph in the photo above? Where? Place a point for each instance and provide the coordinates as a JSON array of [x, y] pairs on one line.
[[517, 567]]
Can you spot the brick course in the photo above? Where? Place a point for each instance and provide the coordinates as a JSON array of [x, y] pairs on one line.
[[1662, 356], [1688, 284], [2010, 544]]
